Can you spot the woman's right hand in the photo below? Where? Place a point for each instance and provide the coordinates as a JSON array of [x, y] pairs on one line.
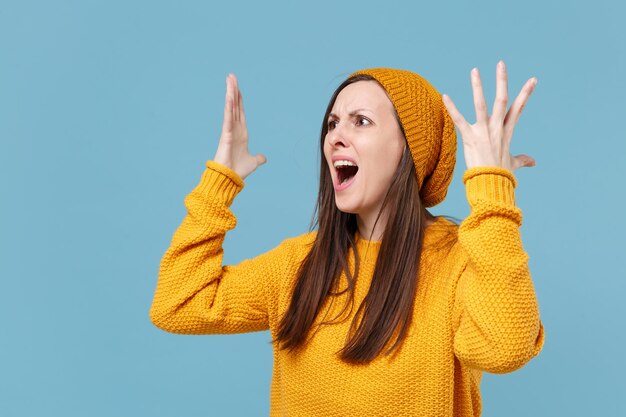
[[232, 151]]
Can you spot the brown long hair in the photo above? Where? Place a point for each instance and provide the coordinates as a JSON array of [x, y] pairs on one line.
[[388, 305]]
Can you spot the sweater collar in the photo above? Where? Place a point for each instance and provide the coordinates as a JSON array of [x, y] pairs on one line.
[[374, 245]]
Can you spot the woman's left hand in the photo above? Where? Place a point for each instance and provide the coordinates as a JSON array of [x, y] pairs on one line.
[[487, 142]]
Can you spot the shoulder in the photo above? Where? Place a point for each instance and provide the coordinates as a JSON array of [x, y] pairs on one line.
[[445, 221], [443, 229], [294, 248], [293, 251], [442, 241], [301, 242]]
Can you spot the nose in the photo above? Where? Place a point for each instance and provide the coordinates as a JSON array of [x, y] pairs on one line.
[[337, 137]]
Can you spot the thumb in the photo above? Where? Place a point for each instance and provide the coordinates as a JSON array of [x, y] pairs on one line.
[[261, 159], [524, 161]]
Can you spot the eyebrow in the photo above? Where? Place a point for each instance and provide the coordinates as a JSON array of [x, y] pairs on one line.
[[352, 113]]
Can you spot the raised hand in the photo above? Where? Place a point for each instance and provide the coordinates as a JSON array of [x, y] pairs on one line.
[[487, 142], [232, 150]]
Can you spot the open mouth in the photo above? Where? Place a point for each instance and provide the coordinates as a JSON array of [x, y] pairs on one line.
[[345, 171]]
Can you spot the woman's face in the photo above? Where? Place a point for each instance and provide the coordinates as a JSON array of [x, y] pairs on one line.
[[362, 129]]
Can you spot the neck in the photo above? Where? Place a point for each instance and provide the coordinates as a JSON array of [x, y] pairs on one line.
[[366, 227], [367, 231]]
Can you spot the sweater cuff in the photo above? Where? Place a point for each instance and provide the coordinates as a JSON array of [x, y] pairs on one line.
[[490, 184], [219, 179]]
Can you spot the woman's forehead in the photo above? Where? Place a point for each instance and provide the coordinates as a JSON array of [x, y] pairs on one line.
[[367, 95]]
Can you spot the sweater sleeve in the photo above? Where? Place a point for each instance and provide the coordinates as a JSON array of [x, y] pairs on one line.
[[499, 329], [195, 294]]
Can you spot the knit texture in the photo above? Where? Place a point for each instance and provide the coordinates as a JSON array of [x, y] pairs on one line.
[[475, 308], [428, 128]]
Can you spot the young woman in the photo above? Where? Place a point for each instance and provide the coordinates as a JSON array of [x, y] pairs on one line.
[[383, 309]]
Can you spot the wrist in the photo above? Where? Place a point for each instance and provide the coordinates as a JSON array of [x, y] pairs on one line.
[[227, 171]]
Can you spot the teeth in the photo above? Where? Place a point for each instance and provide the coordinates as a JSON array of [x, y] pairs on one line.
[[344, 163]]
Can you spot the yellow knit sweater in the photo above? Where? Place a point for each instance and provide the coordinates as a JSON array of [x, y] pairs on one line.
[[475, 308]]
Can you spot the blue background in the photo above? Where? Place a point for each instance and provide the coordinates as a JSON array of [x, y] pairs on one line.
[[109, 110]]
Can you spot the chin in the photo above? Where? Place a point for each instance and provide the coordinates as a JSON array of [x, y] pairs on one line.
[[346, 208]]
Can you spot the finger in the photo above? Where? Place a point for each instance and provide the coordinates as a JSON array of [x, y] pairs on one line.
[[236, 98], [518, 105], [520, 161], [455, 115], [479, 98], [501, 100], [242, 113], [261, 159], [233, 97], [228, 106]]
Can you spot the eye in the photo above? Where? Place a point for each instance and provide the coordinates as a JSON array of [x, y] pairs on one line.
[[332, 124], [361, 119]]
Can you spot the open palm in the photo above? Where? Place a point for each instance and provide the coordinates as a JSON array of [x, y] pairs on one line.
[[232, 150], [487, 142]]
